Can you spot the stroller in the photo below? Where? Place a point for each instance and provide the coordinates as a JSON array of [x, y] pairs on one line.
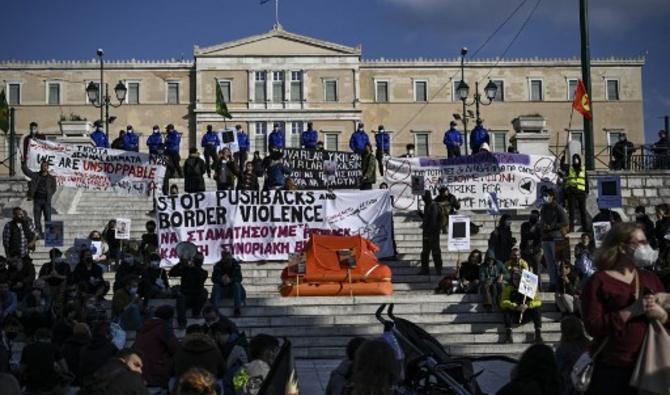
[[427, 369]]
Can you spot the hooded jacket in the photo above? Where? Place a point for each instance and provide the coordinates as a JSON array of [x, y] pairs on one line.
[[491, 273], [199, 351], [501, 240], [99, 139], [358, 141], [94, 355], [159, 344], [71, 351]]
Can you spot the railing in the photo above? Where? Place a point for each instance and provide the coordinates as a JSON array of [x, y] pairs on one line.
[[9, 146]]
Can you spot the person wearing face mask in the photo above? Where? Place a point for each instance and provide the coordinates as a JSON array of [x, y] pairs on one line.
[[154, 282], [210, 145], [131, 142], [383, 142], [584, 253], [531, 241], [103, 256], [41, 189], [130, 266], [35, 310], [576, 190], [619, 302], [89, 275], [127, 305], [117, 143], [369, 176], [21, 275], [621, 153], [55, 273], [155, 141], [501, 240], [99, 136], [309, 137], [552, 220], [409, 151], [359, 139], [8, 301], [33, 133], [276, 140]]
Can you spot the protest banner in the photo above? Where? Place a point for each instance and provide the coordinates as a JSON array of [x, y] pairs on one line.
[[312, 169], [528, 284], [97, 169], [53, 234], [459, 233], [270, 225], [513, 177], [600, 229], [122, 230]]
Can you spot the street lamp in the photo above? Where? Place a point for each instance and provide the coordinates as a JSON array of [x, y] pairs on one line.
[[463, 91], [99, 97]]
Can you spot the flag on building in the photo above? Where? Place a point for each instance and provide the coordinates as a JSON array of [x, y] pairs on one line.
[[4, 112], [582, 102], [282, 378], [221, 107]]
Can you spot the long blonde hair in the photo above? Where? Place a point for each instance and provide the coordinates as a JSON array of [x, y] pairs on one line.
[[610, 250]]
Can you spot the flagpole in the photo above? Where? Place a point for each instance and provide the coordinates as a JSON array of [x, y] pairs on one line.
[[277, 12]]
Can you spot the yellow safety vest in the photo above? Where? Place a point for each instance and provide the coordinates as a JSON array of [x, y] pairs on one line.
[[577, 180]]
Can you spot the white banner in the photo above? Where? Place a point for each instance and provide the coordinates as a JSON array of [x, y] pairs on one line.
[[97, 169], [513, 178], [270, 225]]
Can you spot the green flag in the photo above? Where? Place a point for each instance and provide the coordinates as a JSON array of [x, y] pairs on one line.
[[221, 107], [4, 112]]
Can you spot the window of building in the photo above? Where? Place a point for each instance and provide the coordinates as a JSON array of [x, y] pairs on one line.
[[226, 93], [260, 138], [422, 144], [381, 91], [331, 90], [536, 93], [14, 94], [296, 133], [420, 91], [133, 93], [499, 141], [613, 137], [332, 141], [53, 93], [612, 90], [500, 92], [296, 86], [173, 92], [572, 88], [278, 86], [259, 87]]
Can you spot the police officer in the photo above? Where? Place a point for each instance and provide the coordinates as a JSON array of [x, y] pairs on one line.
[[383, 142], [243, 146], [478, 137], [210, 144], [155, 141], [99, 137], [359, 139], [172, 141], [453, 140], [131, 142], [309, 137], [276, 138]]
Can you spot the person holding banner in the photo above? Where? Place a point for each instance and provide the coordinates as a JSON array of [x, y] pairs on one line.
[[41, 188], [453, 140], [309, 137], [431, 235], [155, 141], [276, 138], [359, 139], [518, 308], [383, 141], [99, 137], [172, 141], [131, 142], [210, 144], [34, 133]]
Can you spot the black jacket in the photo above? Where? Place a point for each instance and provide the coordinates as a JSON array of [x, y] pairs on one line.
[[230, 267], [115, 378], [194, 170], [531, 238], [662, 229], [94, 355], [199, 351], [36, 178], [501, 240], [71, 351], [552, 219], [648, 226], [192, 278]]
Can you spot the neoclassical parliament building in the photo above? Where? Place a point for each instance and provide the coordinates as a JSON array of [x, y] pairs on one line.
[[291, 79]]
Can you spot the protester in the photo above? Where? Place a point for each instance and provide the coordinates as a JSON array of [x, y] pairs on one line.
[[501, 239], [210, 145], [340, 377], [577, 188], [8, 301], [519, 309], [568, 289], [262, 351], [117, 143], [248, 181], [96, 353], [192, 288], [515, 261], [571, 346], [114, 244], [383, 142], [226, 171], [478, 137], [130, 267], [531, 241], [131, 141], [155, 141], [468, 272], [99, 136], [309, 137], [89, 276], [21, 274], [257, 163], [42, 364], [172, 142], [149, 242], [536, 373], [35, 310], [243, 146], [359, 140], [198, 350], [158, 344], [409, 151], [197, 382], [607, 215], [552, 220], [431, 235], [369, 176], [154, 281], [18, 235], [276, 172], [375, 369], [661, 150], [491, 276], [647, 224], [121, 375], [33, 133], [453, 141], [621, 153], [276, 139], [56, 273], [584, 254], [127, 305], [194, 170], [102, 256], [9, 384], [71, 349], [227, 282], [618, 305], [448, 205], [230, 342], [661, 231]]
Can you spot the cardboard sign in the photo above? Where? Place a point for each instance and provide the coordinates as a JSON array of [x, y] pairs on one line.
[[609, 192], [53, 234], [418, 185], [459, 233], [528, 284], [96, 249], [228, 139], [600, 230], [122, 231]]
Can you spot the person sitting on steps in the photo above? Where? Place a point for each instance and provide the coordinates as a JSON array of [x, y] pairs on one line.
[[518, 308]]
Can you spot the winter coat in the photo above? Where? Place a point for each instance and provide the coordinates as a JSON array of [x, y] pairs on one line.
[[131, 142], [159, 344], [231, 268], [369, 169], [94, 355], [194, 169], [431, 225], [199, 351], [225, 172], [492, 273], [358, 141], [510, 299], [309, 138], [151, 278], [172, 141], [277, 139], [531, 238], [192, 278], [243, 141], [117, 143], [154, 142], [276, 175], [501, 241], [99, 139], [248, 181], [115, 378], [478, 136], [453, 138], [71, 351], [552, 220], [36, 178], [210, 140], [383, 141]]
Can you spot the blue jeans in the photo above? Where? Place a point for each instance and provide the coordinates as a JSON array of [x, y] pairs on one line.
[[234, 289], [549, 251]]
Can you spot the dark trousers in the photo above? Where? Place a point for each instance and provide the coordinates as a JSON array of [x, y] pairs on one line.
[[176, 160], [453, 151], [211, 157], [41, 206], [366, 186], [490, 291], [431, 246], [608, 380], [380, 159], [577, 200], [192, 301], [241, 157], [511, 317]]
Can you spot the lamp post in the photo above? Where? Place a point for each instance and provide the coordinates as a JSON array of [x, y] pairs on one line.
[[99, 97], [463, 91]]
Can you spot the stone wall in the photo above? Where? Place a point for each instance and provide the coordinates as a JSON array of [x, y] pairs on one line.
[[646, 189], [12, 190]]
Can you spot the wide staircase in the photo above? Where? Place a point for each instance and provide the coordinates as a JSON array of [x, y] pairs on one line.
[[320, 327]]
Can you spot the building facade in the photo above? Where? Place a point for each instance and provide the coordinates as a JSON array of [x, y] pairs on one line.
[[286, 78]]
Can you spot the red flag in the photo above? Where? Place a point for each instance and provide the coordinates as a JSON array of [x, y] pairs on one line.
[[582, 103]]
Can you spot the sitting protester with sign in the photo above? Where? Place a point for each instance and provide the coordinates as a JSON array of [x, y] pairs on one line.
[[519, 308], [516, 262]]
